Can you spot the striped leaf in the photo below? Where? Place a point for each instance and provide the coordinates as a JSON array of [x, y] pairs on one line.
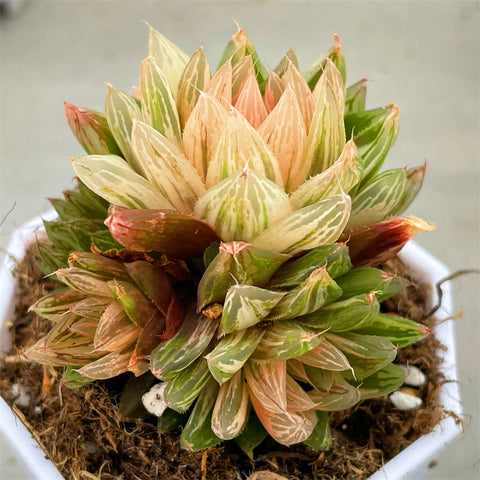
[[293, 78], [273, 91], [400, 331], [137, 306], [290, 57], [285, 134], [383, 382], [194, 79], [120, 110], [355, 97], [340, 177], [202, 132], [413, 184], [113, 179], [374, 132], [243, 205], [334, 54], [297, 399], [327, 357], [231, 353], [374, 244], [240, 146], [84, 281], [378, 199], [178, 236], [91, 307], [185, 387], [92, 262], [158, 105], [246, 305], [237, 262], [249, 102], [220, 85], [115, 331], [231, 409], [197, 433], [242, 70], [287, 427], [366, 353], [191, 340], [326, 137], [284, 340], [54, 305], [169, 58], [267, 381], [317, 290], [333, 256], [354, 312], [108, 366], [164, 165], [321, 437], [91, 129], [365, 280], [296, 370], [331, 392], [307, 228]]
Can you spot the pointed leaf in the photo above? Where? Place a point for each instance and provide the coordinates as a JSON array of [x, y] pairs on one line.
[[240, 146], [290, 57], [355, 97], [321, 437], [307, 228], [253, 435], [246, 305], [230, 413], [339, 178], [250, 102], [54, 305], [242, 206], [413, 184], [178, 236], [84, 281], [158, 105], [220, 86], [107, 366], [285, 134], [91, 129], [98, 264], [383, 382], [120, 110], [114, 180], [327, 357], [231, 353], [273, 91], [194, 79], [169, 58], [297, 399], [197, 433], [164, 165]]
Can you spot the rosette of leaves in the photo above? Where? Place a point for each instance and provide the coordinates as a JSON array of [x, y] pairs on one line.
[[263, 175]]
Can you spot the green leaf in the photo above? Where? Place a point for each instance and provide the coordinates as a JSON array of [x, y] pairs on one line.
[[285, 339], [400, 331], [321, 437], [242, 206], [54, 305], [170, 420], [231, 353], [307, 228], [382, 382], [253, 435], [72, 379], [317, 290], [186, 386], [84, 281], [197, 433], [231, 409], [236, 263], [131, 405], [364, 280], [355, 97], [172, 356], [333, 256]]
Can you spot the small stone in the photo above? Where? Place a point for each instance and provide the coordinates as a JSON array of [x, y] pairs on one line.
[[21, 395], [415, 377], [37, 410], [405, 399], [154, 399]]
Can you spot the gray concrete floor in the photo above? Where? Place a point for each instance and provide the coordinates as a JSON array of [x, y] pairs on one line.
[[422, 55]]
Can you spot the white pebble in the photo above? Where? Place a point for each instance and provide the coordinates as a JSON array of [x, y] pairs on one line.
[[21, 395], [154, 399], [405, 401], [415, 377]]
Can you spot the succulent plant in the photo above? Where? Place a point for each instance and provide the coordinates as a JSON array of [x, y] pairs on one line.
[[247, 214]]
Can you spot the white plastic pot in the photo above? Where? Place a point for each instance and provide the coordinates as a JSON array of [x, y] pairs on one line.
[[410, 464]]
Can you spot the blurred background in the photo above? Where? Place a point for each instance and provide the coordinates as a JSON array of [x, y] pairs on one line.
[[421, 55]]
